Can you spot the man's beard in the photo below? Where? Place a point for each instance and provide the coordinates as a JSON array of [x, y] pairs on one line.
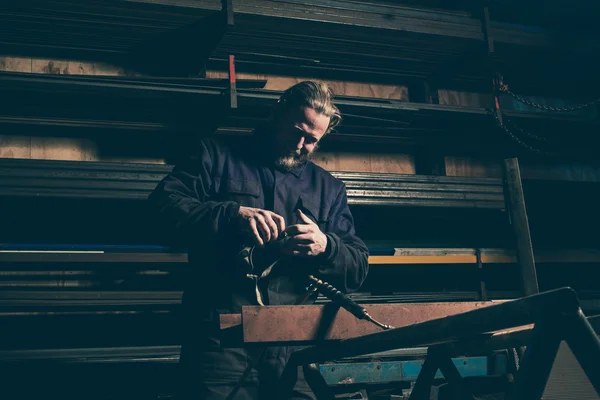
[[294, 159]]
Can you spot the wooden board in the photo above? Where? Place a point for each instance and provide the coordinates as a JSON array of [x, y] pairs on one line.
[[15, 64], [55, 148], [366, 162], [15, 146], [464, 99], [473, 167], [481, 167]]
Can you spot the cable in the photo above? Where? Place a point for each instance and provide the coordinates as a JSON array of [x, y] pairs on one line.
[[346, 302]]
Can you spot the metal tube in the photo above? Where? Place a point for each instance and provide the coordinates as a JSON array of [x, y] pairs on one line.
[[485, 343]]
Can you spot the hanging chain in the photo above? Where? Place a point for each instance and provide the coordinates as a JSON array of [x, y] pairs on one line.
[[512, 125], [504, 88], [516, 139], [517, 361]]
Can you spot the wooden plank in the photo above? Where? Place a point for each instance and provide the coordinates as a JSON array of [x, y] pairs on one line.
[[15, 64], [481, 167], [65, 67], [472, 167], [305, 324], [464, 99], [366, 162], [56, 148], [15, 146]]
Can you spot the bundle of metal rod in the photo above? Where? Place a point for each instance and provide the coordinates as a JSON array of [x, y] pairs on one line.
[[366, 120], [135, 181], [369, 39]]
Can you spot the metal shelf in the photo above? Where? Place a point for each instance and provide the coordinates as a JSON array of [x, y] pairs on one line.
[[68, 179], [367, 41]]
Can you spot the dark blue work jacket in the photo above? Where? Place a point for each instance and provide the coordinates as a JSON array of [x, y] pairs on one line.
[[198, 203]]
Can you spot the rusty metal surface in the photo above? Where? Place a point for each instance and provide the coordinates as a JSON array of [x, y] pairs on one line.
[[230, 320], [327, 322], [449, 328]]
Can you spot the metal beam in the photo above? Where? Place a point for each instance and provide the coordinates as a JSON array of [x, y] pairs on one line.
[[314, 323], [448, 328], [520, 222]]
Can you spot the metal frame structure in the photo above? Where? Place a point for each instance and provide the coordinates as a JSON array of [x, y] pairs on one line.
[[556, 315]]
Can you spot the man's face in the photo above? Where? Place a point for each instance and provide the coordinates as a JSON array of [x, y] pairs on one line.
[[298, 132]]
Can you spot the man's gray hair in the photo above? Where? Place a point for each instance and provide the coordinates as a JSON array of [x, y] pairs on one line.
[[315, 95]]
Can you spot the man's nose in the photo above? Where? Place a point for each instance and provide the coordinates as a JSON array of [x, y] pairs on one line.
[[300, 143]]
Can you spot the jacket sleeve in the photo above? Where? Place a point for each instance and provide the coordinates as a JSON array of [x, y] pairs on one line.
[[184, 206], [346, 261]]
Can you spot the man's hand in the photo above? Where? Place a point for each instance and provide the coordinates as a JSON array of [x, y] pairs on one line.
[[305, 239], [262, 225]]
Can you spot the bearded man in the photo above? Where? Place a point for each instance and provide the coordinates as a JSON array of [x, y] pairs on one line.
[[264, 193]]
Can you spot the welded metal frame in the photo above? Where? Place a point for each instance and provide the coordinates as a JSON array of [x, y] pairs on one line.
[[556, 316]]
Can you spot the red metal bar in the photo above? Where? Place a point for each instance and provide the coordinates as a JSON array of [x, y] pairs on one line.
[[288, 324], [232, 85]]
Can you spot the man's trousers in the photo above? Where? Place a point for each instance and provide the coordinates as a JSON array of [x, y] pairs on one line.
[[209, 372]]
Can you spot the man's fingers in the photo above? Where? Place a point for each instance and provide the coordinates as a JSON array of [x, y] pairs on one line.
[[302, 238], [263, 227], [294, 230], [255, 233], [280, 221], [272, 226], [304, 218]]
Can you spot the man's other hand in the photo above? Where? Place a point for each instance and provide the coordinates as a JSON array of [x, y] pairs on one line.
[[262, 225], [304, 239]]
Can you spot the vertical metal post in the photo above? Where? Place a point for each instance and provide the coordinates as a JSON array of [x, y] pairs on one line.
[[485, 21], [513, 185], [482, 289], [520, 222], [227, 9], [232, 84]]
